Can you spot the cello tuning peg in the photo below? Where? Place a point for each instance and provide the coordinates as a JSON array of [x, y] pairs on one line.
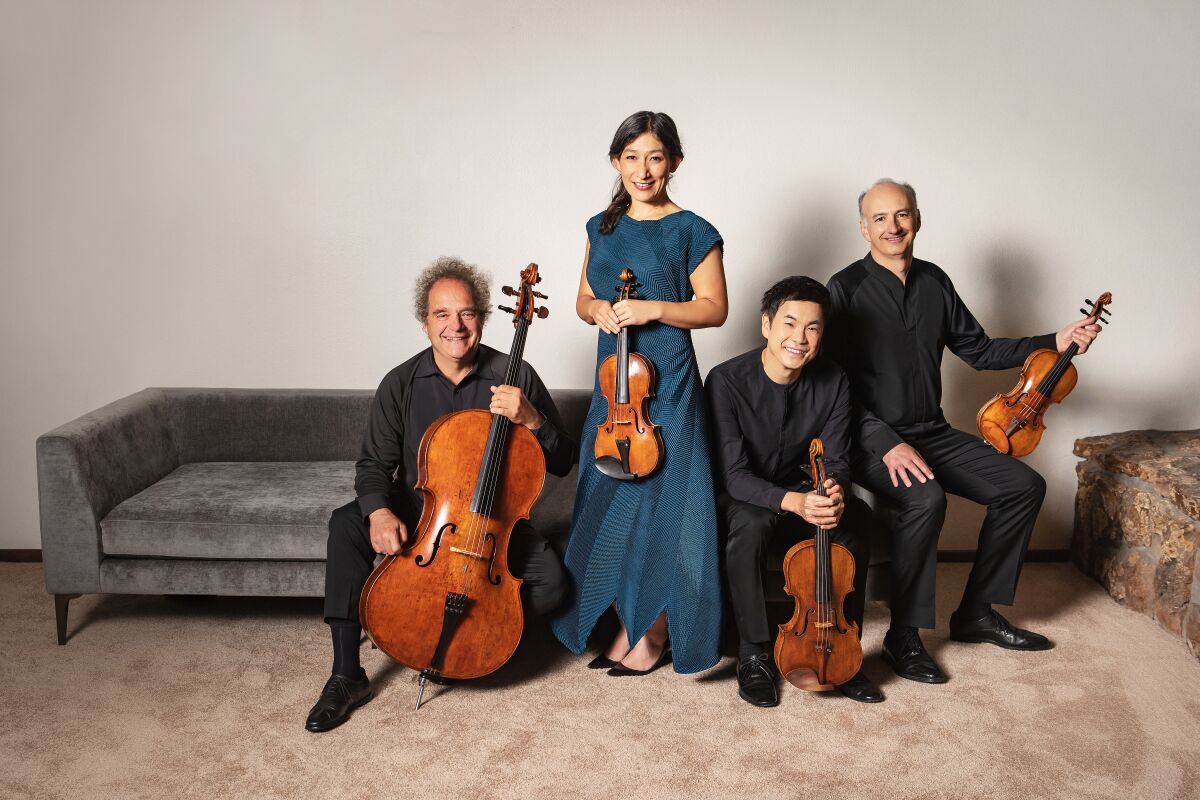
[[543, 312], [1105, 311], [508, 290], [507, 310], [540, 296], [1103, 320], [1084, 311], [1089, 302]]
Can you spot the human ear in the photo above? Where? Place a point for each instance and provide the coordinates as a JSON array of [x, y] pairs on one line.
[[766, 326], [862, 228]]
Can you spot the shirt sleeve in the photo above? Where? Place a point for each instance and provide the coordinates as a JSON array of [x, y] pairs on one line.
[[835, 434], [703, 239], [966, 338], [556, 444], [382, 448], [733, 468], [873, 434]]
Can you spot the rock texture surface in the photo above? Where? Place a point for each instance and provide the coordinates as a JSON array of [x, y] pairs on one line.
[[1137, 523]]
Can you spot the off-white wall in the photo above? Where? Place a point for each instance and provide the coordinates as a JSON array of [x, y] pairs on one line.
[[239, 194]]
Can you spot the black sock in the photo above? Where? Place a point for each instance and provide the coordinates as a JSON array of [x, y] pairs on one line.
[[973, 609], [748, 650], [346, 635], [896, 633]]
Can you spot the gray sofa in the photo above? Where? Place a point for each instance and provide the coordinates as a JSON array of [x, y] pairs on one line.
[[214, 491]]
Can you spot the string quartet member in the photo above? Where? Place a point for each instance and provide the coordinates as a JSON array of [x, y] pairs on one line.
[[456, 372], [893, 315], [765, 407]]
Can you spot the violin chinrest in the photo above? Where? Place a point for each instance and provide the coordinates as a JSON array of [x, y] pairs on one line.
[[612, 468]]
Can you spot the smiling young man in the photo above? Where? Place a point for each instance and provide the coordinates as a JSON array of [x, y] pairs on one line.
[[892, 317], [456, 372], [766, 406]]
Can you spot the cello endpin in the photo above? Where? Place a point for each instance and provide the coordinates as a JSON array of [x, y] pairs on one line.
[[420, 692]]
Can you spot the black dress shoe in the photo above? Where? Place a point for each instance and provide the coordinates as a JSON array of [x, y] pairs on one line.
[[910, 660], [602, 662], [861, 688], [620, 670], [995, 629], [756, 681], [340, 696]]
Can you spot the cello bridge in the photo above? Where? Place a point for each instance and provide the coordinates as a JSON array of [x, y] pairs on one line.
[[822, 624], [467, 553]]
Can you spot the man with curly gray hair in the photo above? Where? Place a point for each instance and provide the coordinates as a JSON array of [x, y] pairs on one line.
[[456, 372]]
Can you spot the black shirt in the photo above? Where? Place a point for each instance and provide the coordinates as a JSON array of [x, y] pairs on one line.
[[761, 430], [416, 394], [889, 337]]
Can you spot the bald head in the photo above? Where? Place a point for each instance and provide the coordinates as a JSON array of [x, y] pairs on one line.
[[888, 219], [908, 190]]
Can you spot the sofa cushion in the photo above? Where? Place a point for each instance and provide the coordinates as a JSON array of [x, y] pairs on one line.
[[232, 510]]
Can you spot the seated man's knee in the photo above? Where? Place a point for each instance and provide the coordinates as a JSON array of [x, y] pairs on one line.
[[926, 499], [749, 527]]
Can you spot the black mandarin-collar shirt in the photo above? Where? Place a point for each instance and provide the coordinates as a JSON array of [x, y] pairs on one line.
[[761, 430], [416, 394], [889, 337]]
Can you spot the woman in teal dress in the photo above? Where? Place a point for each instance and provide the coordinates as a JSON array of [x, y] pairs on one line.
[[648, 547]]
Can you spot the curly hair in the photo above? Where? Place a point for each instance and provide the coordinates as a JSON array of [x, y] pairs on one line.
[[476, 281]]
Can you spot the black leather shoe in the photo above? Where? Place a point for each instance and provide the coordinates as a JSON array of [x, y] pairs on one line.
[[602, 662], [910, 660], [340, 696], [620, 670], [756, 681], [995, 629], [861, 688]]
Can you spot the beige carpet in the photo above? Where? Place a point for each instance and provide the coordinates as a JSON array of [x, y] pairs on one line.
[[206, 697]]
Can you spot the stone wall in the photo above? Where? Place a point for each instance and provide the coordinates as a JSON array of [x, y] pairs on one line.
[[1137, 523]]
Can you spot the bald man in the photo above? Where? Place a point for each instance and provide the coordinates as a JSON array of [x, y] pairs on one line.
[[893, 315]]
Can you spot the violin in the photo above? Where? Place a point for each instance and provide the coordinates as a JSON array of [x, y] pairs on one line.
[[628, 445], [447, 604], [1012, 423], [817, 649]]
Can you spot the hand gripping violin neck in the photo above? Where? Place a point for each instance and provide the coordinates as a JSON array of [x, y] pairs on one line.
[[1013, 422], [447, 604], [628, 445], [817, 649]]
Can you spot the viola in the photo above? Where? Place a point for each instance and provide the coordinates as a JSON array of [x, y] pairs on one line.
[[1013, 422], [817, 649], [447, 604], [628, 445]]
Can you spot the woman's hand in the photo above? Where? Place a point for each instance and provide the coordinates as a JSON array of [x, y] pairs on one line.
[[602, 313], [636, 312]]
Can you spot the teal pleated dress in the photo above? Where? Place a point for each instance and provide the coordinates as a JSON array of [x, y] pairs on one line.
[[650, 544]]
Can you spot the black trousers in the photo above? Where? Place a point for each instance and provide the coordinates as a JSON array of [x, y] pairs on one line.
[[967, 466], [750, 531], [350, 559]]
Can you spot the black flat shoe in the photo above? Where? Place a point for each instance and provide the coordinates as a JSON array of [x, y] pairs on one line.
[[756, 681], [602, 662], [620, 670], [340, 696], [861, 688], [910, 660], [995, 629]]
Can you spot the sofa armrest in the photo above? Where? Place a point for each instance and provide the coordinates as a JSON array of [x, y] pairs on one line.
[[88, 466]]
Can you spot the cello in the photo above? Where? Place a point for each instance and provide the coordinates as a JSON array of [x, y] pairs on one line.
[[447, 605], [1012, 423], [817, 649], [628, 445]]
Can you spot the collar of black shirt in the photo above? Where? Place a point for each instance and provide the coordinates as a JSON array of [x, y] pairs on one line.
[[485, 365]]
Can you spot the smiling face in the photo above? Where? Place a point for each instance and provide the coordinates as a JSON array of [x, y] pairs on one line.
[[890, 224], [645, 169], [452, 325], [793, 339]]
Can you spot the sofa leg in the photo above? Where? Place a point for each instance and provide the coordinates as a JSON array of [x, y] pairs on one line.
[[61, 601]]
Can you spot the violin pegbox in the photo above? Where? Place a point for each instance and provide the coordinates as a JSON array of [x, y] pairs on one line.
[[527, 307], [1099, 308]]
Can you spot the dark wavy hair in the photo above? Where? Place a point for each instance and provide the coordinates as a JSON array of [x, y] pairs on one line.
[[476, 280], [634, 126], [797, 287]]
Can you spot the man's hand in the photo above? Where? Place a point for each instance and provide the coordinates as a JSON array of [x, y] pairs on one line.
[[509, 401], [1082, 333], [902, 461], [812, 508], [388, 532]]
